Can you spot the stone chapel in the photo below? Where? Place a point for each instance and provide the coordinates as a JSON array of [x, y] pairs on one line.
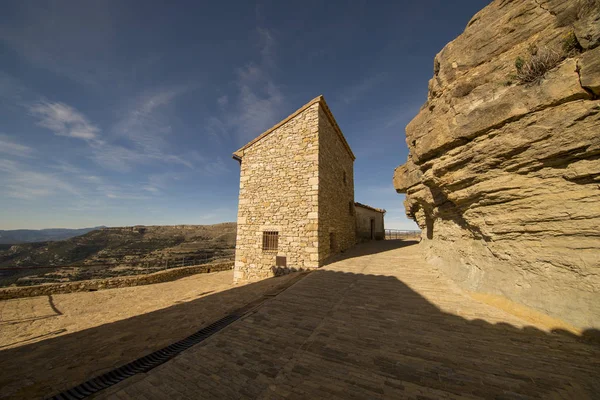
[[296, 200]]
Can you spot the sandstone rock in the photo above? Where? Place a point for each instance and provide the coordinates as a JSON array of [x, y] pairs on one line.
[[590, 71], [407, 175], [587, 21], [504, 177]]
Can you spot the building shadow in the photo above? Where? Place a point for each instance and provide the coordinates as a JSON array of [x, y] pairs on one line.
[[340, 334]]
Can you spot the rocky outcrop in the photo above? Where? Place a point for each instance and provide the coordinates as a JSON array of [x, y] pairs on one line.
[[503, 172]]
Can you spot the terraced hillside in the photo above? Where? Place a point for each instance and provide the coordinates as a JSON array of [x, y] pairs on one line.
[[114, 252]]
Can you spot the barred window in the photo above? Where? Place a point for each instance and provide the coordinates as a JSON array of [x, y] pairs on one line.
[[270, 240]]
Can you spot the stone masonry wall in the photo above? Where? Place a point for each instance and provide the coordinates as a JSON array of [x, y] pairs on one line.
[[363, 224], [279, 192], [335, 196], [111, 283]]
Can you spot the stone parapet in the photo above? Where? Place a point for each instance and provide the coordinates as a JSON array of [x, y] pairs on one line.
[[111, 283]]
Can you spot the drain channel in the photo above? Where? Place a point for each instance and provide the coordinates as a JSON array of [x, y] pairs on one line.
[[163, 355], [145, 363]]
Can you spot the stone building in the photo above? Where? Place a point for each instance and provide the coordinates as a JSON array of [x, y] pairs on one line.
[[296, 202], [369, 223]]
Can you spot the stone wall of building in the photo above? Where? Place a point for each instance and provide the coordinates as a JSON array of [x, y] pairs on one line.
[[279, 182], [363, 224], [336, 190]]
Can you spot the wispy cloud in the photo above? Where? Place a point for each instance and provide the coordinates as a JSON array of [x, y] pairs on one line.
[[70, 39], [354, 92], [145, 125], [223, 100], [403, 116], [212, 166], [20, 182], [216, 215], [258, 100], [159, 182], [122, 193], [9, 147], [141, 131], [12, 91], [64, 120]]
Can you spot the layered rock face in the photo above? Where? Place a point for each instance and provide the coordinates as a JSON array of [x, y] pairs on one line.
[[503, 174]]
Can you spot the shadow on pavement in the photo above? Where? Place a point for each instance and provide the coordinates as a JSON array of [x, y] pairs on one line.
[[334, 334]]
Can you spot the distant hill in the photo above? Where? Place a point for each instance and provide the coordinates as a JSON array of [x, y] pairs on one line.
[[115, 251], [41, 235]]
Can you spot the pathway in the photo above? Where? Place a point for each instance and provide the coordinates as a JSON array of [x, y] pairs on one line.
[[49, 344], [378, 324]]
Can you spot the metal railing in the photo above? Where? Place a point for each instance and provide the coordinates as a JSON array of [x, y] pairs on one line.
[[392, 234]]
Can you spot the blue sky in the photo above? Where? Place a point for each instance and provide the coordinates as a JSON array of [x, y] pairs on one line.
[[127, 112]]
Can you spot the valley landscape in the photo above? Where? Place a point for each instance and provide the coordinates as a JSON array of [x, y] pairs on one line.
[[111, 252]]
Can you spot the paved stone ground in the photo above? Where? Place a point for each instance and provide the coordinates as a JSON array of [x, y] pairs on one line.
[[377, 324], [48, 344]]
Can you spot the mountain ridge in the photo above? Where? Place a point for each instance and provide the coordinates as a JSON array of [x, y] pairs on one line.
[[115, 251], [18, 236]]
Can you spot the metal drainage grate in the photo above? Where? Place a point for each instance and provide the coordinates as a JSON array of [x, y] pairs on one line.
[[145, 363]]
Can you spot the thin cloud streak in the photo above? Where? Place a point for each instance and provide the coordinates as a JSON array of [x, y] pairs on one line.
[[142, 127], [22, 183], [360, 89], [9, 147], [64, 120], [146, 126], [258, 101], [74, 41]]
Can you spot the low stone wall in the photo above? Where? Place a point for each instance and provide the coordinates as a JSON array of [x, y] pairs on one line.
[[111, 283]]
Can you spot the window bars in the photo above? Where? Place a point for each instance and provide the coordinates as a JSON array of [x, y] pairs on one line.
[[270, 240]]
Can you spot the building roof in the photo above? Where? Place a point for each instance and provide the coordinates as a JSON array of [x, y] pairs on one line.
[[370, 208], [321, 100]]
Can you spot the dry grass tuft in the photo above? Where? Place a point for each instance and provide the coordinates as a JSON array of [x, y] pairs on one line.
[[533, 69]]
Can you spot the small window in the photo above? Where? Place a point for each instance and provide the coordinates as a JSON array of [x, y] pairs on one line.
[[332, 241], [351, 208], [345, 180], [270, 240]]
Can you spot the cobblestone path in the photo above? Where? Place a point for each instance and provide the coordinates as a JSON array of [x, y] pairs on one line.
[[379, 324], [51, 344]]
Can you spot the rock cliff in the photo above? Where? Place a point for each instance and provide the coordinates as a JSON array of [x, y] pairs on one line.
[[503, 172]]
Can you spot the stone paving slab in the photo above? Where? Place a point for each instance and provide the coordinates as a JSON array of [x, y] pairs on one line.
[[378, 324], [50, 344]]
